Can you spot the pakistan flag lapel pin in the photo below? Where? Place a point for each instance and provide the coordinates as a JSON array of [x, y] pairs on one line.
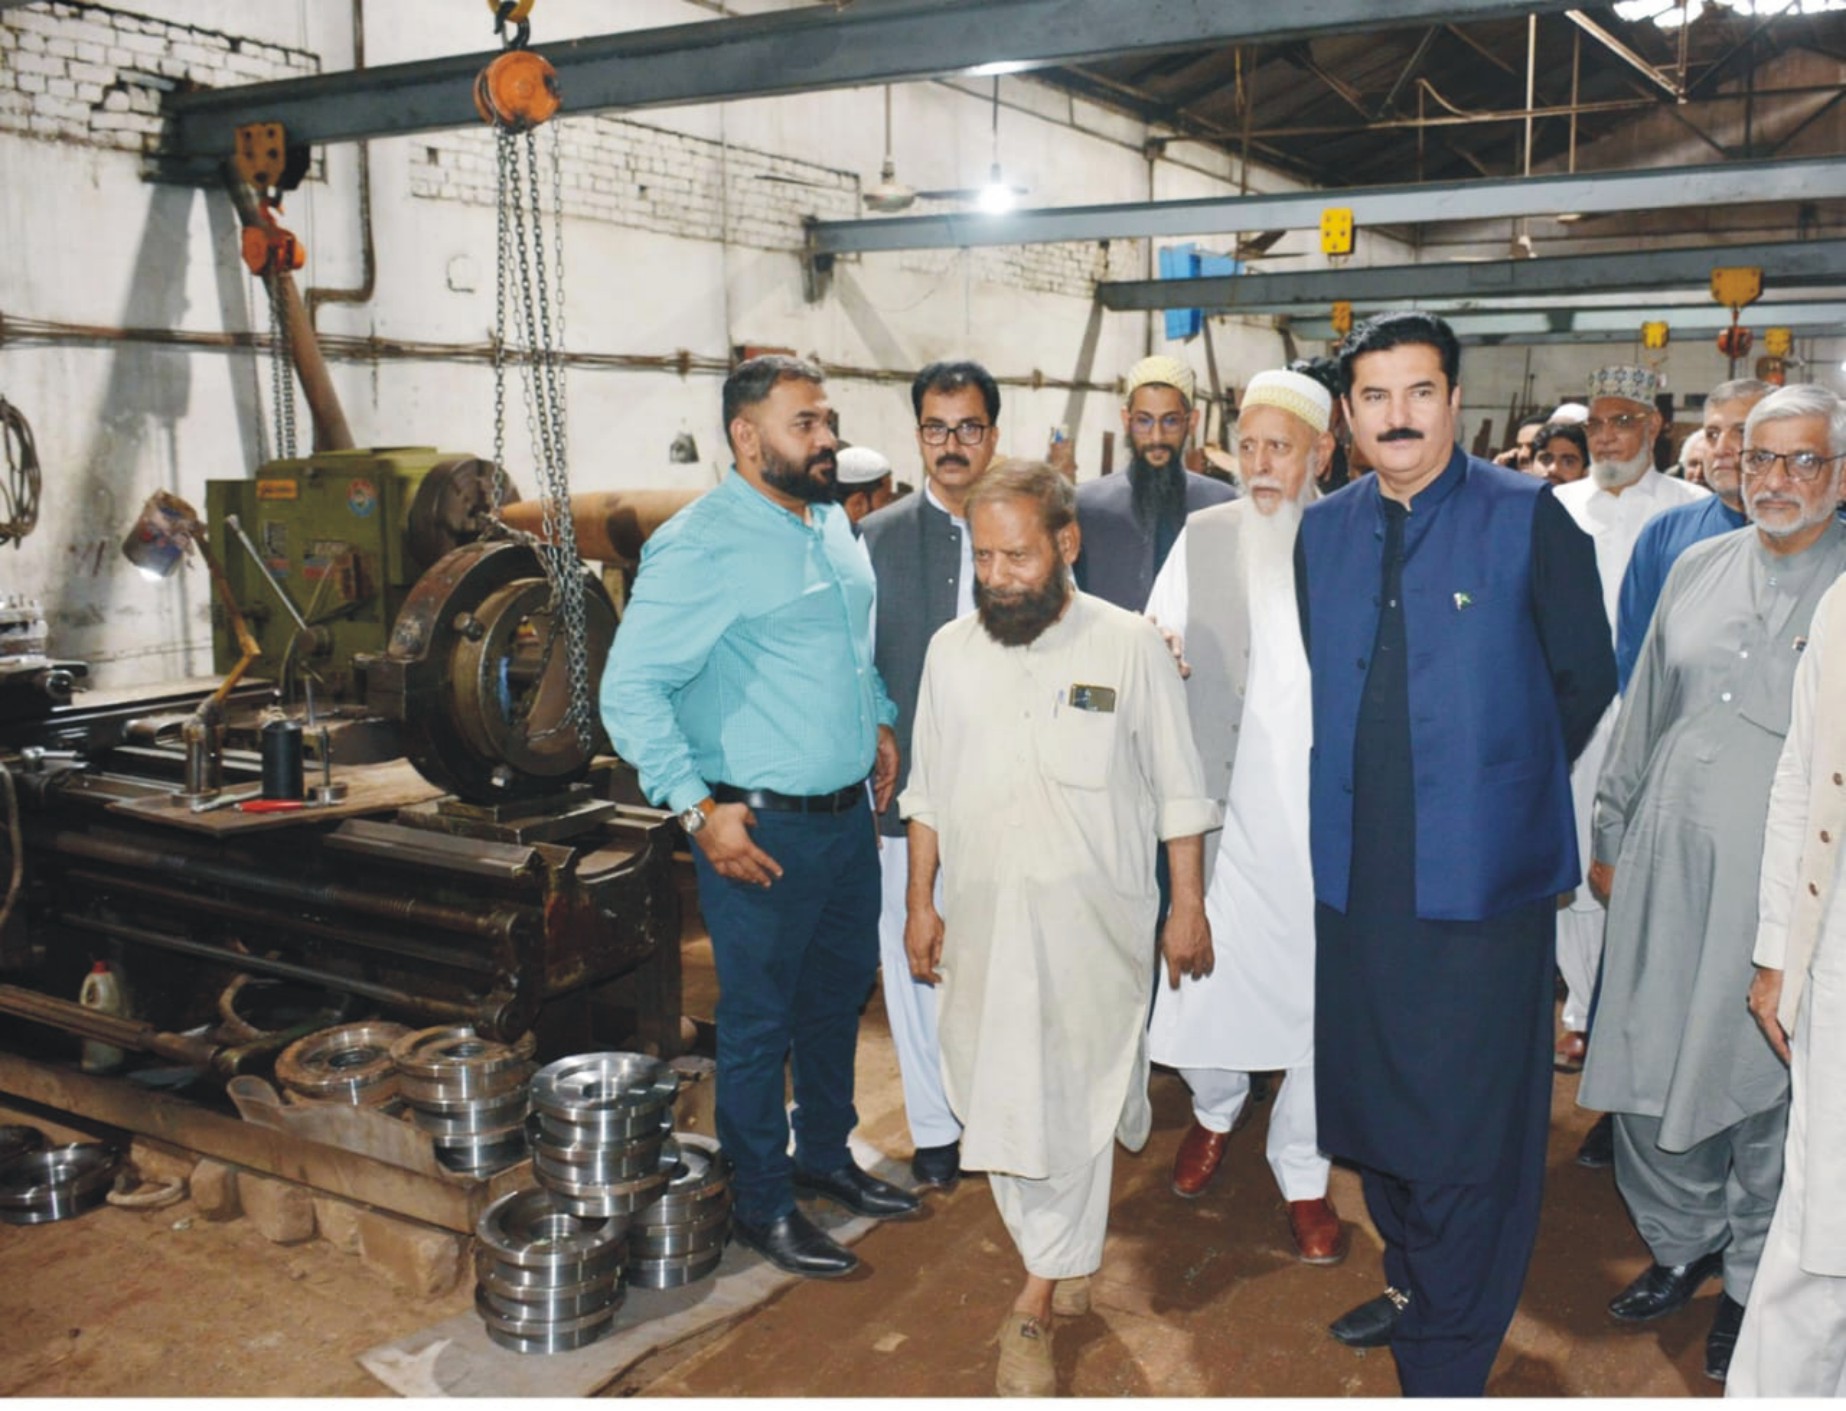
[[1463, 600]]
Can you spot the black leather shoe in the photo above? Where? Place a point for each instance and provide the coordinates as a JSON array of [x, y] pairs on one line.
[[795, 1244], [936, 1167], [1721, 1341], [858, 1192], [1374, 1322], [1663, 1288], [1598, 1149]]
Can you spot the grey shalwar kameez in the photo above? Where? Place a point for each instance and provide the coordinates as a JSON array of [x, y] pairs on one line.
[[1701, 1098]]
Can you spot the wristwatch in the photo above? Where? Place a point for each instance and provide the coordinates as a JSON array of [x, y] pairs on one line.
[[693, 819]]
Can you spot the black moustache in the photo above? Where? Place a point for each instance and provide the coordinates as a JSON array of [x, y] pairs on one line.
[[950, 460], [1403, 433]]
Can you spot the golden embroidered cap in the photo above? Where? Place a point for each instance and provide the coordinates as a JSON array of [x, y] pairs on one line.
[[1634, 384], [1292, 392], [1162, 369]]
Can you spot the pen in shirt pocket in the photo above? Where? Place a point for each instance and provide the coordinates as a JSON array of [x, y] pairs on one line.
[[1058, 704]]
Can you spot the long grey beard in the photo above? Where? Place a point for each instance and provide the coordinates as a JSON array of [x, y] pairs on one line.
[[1269, 550], [1619, 475]]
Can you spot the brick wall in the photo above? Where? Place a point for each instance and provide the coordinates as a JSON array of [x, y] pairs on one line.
[[94, 75], [646, 178]]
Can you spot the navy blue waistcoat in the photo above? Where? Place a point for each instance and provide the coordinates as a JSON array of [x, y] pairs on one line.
[[1494, 827]]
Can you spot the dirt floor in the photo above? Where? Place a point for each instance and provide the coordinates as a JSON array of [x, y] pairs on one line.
[[1195, 1297]]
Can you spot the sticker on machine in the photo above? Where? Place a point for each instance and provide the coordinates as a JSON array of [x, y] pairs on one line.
[[361, 498]]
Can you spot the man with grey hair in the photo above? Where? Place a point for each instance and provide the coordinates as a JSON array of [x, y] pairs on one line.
[[1700, 1098], [1225, 595], [1050, 750], [1611, 504]]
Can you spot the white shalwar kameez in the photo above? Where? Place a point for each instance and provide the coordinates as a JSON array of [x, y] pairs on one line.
[[1255, 1012], [1047, 771]]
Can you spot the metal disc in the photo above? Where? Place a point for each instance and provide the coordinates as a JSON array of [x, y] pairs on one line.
[[526, 1335], [674, 1272], [56, 1184], [525, 1285], [466, 1118], [442, 1053], [350, 1064], [581, 1088], [527, 1229]]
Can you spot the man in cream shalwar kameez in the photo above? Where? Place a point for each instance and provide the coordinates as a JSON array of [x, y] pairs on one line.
[[1041, 774], [1611, 504], [1794, 1331], [1227, 593], [1700, 1098]]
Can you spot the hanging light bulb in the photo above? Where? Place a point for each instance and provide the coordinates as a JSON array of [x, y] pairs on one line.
[[996, 196]]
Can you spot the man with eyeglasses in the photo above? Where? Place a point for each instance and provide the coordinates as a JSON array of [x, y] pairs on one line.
[[1669, 536], [1621, 494], [922, 557], [742, 689], [1130, 521], [1700, 1098]]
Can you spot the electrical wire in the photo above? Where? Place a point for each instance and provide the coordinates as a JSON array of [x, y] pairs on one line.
[[20, 486]]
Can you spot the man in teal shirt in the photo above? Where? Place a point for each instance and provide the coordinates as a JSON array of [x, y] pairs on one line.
[[742, 689]]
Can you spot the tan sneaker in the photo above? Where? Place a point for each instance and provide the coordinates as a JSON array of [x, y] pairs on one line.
[[1070, 1298], [1025, 1357]]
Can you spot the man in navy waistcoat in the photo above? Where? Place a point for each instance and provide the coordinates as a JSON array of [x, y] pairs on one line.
[[1461, 658]]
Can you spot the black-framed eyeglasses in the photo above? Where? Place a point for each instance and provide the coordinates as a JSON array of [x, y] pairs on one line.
[[1624, 421], [969, 432], [1144, 422], [1799, 465]]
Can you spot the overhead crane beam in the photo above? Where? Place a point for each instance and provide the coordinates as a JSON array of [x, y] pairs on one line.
[[788, 51], [1612, 325], [1585, 193], [1811, 262]]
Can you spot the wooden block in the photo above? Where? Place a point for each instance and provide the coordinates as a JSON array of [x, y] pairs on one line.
[[419, 1259], [338, 1222], [214, 1190], [281, 1210]]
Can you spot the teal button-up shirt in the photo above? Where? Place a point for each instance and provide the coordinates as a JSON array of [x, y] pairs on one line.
[[745, 655]]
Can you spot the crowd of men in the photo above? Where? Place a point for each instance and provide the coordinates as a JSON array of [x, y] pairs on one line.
[[1328, 775]]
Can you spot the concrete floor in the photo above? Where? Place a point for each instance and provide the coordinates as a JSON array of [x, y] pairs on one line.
[[1195, 1297]]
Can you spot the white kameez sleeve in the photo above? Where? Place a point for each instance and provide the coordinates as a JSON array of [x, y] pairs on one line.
[[917, 802], [1788, 817], [1163, 742], [1167, 604]]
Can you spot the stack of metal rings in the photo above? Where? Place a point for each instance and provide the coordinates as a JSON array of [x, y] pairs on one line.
[[679, 1239], [58, 1183], [349, 1066], [546, 1280], [468, 1093], [598, 1126]]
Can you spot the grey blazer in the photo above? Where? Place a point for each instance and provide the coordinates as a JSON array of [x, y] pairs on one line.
[[916, 557]]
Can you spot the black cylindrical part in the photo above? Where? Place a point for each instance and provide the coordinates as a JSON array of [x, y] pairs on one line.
[[282, 760]]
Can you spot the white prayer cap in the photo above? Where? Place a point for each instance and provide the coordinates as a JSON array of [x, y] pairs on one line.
[[1571, 414], [860, 465], [1170, 372], [1292, 392]]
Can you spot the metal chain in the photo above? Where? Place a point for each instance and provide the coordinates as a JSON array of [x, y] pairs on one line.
[[282, 373], [529, 299]]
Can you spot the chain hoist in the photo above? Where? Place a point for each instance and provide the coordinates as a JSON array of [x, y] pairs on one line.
[[263, 159], [517, 94]]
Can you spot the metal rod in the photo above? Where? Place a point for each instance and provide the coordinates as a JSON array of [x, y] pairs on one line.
[[1622, 51], [484, 1012], [235, 525], [499, 924], [452, 958], [111, 1029]]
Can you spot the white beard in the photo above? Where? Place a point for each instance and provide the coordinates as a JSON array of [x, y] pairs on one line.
[[1619, 475], [1269, 549]]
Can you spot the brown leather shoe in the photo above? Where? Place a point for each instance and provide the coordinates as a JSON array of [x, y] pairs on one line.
[[1200, 1152], [1320, 1238], [1567, 1057]]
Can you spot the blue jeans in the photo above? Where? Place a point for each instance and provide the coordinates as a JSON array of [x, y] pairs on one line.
[[796, 961]]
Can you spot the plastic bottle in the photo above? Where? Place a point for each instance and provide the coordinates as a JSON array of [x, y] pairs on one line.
[[102, 991]]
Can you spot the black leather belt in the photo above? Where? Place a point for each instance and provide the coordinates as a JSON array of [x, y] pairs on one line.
[[836, 802]]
